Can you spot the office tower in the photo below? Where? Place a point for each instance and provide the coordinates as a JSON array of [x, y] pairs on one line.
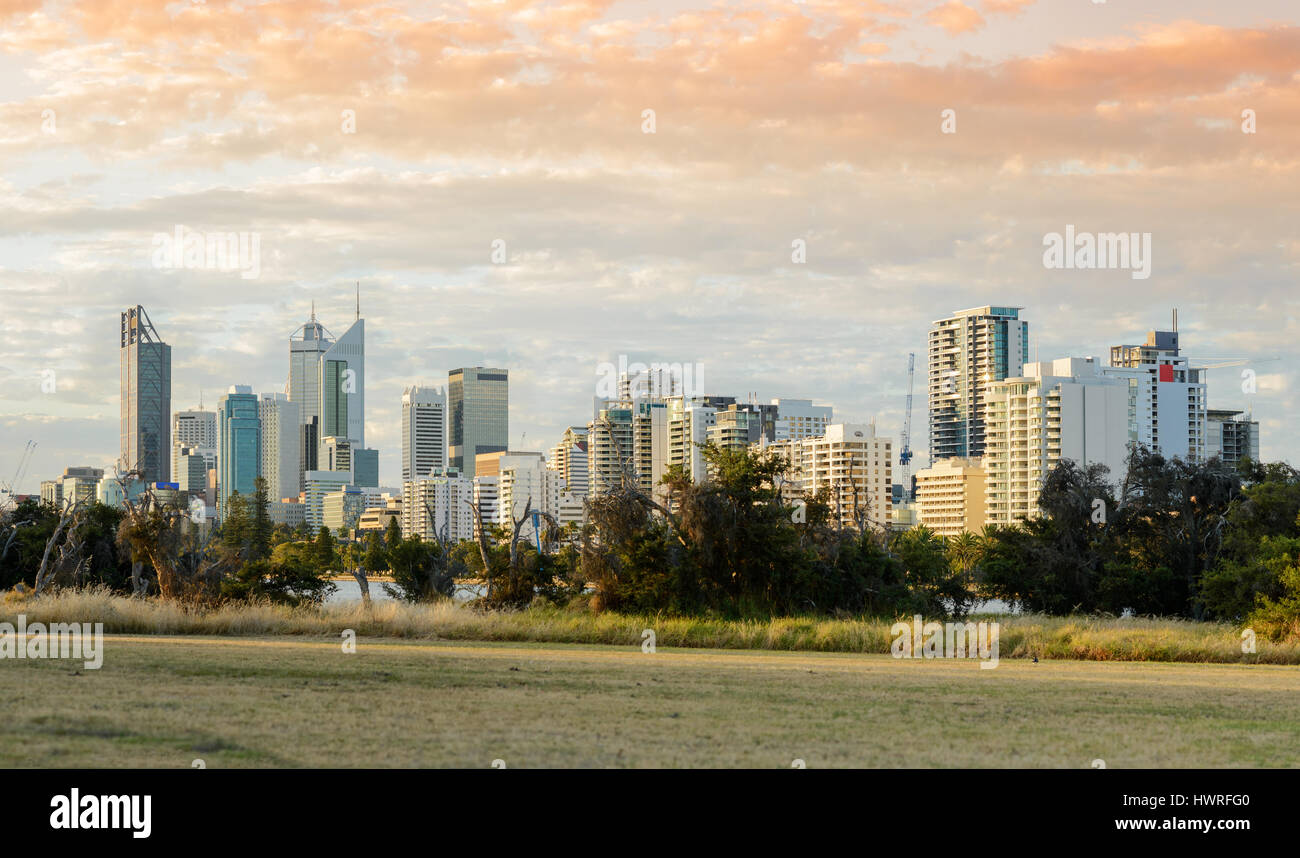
[[336, 454], [280, 447], [970, 350], [191, 474], [424, 431], [1062, 409], [240, 458], [317, 485], [1170, 395], [342, 508], [799, 418], [306, 346], [80, 484], [343, 388], [852, 463], [479, 414], [1231, 437], [365, 467], [146, 385], [569, 459], [950, 496], [438, 505], [197, 430]]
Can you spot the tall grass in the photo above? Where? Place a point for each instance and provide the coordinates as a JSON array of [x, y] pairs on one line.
[[1022, 636]]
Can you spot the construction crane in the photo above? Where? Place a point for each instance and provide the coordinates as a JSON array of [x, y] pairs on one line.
[[24, 459], [905, 454]]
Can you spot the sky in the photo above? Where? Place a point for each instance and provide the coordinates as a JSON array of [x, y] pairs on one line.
[[392, 146]]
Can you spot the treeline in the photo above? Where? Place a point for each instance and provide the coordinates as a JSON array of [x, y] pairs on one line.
[[1173, 539]]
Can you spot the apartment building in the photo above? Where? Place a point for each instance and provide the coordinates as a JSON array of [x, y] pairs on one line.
[[950, 496]]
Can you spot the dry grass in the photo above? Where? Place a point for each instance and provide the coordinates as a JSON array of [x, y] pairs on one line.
[[1084, 638]]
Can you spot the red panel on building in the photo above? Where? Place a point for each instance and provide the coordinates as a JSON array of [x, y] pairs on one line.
[[1166, 372]]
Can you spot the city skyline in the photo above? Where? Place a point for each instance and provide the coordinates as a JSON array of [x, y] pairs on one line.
[[391, 453]]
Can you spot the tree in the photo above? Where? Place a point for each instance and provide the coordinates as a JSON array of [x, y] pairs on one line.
[[259, 521]]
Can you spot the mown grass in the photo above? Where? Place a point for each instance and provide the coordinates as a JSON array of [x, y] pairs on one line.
[[281, 702], [1022, 636]]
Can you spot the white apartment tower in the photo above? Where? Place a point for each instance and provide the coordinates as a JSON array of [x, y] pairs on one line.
[[1169, 395], [1062, 409], [424, 431], [437, 504]]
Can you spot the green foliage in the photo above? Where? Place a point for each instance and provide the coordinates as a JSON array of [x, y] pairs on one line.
[[290, 576]]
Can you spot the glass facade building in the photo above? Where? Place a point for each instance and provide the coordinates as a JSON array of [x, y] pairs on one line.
[[478, 407], [146, 385], [240, 460]]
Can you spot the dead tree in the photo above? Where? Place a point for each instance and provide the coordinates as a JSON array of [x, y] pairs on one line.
[[68, 552]]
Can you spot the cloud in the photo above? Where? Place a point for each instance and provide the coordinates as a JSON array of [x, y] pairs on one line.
[[955, 17]]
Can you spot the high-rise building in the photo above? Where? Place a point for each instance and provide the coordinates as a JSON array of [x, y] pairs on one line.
[[852, 463], [799, 418], [970, 350], [1169, 395], [280, 450], [478, 402], [197, 430], [146, 385], [343, 387], [569, 459], [438, 504], [521, 481], [306, 346], [80, 484], [319, 484], [1231, 437], [950, 497], [424, 431], [240, 431], [191, 473], [611, 454], [1055, 410]]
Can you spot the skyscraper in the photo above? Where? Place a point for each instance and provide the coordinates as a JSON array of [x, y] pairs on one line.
[[970, 350], [146, 384], [279, 445], [306, 346], [424, 431], [478, 401], [240, 459], [343, 387]]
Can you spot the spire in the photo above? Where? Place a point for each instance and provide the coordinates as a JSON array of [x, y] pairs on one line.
[[358, 300], [313, 310]]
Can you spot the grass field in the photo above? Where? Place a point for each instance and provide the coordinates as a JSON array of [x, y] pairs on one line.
[[271, 702]]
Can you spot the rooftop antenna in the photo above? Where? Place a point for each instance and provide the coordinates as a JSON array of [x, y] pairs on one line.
[[358, 300], [1175, 320]]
